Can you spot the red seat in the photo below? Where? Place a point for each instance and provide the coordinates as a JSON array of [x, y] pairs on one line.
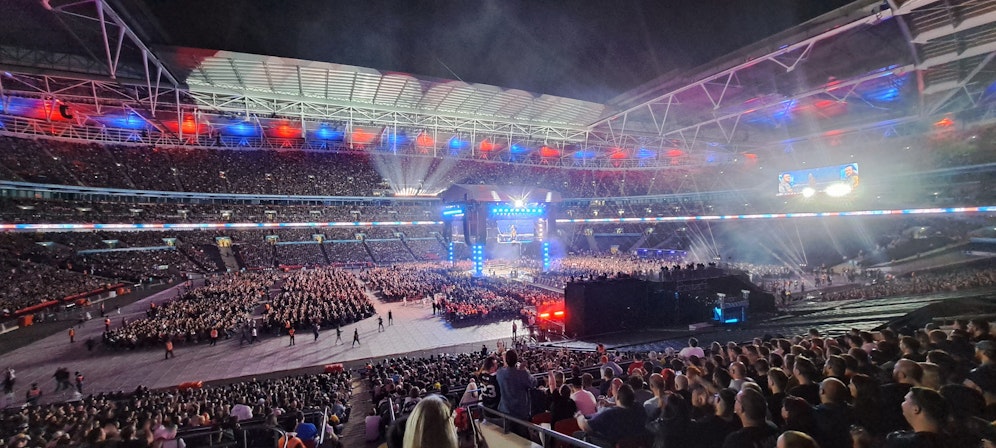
[[541, 418], [567, 426]]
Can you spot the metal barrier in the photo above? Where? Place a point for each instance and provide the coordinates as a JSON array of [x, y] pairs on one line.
[[544, 432]]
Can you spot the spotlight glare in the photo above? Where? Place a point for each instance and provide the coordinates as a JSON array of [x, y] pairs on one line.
[[838, 189], [808, 192]]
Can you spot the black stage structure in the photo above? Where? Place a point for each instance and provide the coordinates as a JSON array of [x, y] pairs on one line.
[[665, 299]]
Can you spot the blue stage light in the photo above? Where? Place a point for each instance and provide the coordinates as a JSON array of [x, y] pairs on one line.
[[327, 133]]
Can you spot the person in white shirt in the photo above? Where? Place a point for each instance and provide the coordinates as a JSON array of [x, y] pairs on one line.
[[585, 400], [241, 411], [692, 349]]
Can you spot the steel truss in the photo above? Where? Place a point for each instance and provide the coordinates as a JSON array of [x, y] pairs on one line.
[[632, 122], [951, 45], [123, 66]]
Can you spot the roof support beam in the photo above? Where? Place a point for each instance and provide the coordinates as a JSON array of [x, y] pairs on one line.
[[805, 45], [937, 106]]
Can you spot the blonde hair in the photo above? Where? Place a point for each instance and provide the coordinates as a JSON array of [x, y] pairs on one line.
[[430, 425]]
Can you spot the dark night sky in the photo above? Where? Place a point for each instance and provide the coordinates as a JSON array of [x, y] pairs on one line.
[[592, 50]]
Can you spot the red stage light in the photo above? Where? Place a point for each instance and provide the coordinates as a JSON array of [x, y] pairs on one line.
[[619, 155], [425, 140], [945, 122], [823, 104], [558, 313], [547, 151], [486, 145], [675, 153], [189, 127], [361, 137], [286, 131], [545, 315]]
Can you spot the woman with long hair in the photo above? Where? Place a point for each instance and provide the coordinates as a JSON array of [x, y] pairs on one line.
[[430, 425]]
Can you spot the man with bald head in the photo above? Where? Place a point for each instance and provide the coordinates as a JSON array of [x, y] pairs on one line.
[[738, 373], [833, 415], [757, 431], [905, 375]]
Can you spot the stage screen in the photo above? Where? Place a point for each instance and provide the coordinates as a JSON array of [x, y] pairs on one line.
[[837, 180], [515, 230]]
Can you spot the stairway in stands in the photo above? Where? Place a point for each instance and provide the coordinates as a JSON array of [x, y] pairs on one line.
[[354, 432], [228, 257], [325, 253], [404, 242], [369, 252], [185, 251]]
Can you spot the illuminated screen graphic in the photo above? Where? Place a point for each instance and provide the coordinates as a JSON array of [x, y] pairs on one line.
[[837, 180], [515, 230]]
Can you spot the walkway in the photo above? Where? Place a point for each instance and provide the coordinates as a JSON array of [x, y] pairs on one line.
[[414, 329]]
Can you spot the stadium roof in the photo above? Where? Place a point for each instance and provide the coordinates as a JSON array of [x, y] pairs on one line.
[[209, 72], [858, 72]]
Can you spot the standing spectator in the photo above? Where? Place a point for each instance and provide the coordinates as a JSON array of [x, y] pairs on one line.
[[169, 349], [356, 337], [72, 335], [290, 332], [515, 382], [79, 382], [33, 394], [372, 426], [214, 336], [8, 381], [390, 318], [338, 336], [314, 330]]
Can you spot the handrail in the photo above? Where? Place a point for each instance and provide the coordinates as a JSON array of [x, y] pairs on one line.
[[549, 432], [325, 422]]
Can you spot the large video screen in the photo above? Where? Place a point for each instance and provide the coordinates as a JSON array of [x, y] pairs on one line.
[[837, 180], [515, 230]]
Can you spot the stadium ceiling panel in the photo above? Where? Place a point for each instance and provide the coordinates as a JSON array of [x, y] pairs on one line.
[[343, 85]]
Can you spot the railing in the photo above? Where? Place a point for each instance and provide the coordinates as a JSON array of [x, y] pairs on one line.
[[545, 433], [244, 437]]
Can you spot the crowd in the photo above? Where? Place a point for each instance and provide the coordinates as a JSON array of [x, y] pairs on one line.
[[918, 283], [24, 283], [225, 304], [18, 210], [327, 297], [454, 292], [141, 266], [145, 418], [934, 387]]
